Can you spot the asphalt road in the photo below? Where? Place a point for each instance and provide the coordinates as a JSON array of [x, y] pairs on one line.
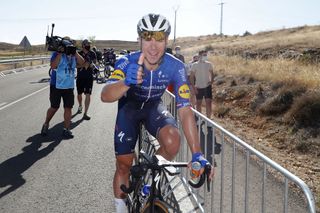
[[49, 174]]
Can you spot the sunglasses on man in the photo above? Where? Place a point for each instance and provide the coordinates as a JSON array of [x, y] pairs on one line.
[[158, 36]]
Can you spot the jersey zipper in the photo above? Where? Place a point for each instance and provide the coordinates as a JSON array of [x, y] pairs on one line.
[[150, 86]]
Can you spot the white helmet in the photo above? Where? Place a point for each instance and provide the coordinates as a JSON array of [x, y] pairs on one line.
[[154, 23]]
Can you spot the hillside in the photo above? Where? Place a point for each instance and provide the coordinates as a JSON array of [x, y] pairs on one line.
[[266, 91]]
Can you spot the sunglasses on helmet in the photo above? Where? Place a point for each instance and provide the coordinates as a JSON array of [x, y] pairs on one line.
[[158, 36]]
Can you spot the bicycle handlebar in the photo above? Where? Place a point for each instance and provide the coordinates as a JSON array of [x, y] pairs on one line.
[[157, 163], [205, 175]]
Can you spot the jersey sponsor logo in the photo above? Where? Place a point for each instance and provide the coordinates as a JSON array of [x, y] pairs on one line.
[[184, 91], [154, 87], [117, 74], [120, 135], [180, 105], [129, 139], [157, 180], [182, 73], [123, 64]]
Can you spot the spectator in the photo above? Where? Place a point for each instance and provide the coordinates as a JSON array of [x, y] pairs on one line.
[[195, 58], [61, 86], [98, 54], [202, 78], [169, 50], [85, 77], [178, 55], [109, 57]]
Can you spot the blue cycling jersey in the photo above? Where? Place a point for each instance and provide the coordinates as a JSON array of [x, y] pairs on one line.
[[155, 82]]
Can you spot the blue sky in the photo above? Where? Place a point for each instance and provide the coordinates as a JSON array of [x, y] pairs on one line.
[[117, 19]]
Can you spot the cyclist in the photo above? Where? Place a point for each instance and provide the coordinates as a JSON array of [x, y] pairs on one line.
[[138, 82], [85, 78], [110, 57], [98, 54]]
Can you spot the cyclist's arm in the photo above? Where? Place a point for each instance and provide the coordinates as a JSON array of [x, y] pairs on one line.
[[189, 128], [116, 86], [113, 91]]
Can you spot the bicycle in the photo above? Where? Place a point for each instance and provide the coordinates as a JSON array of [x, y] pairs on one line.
[[50, 72], [150, 170], [108, 69]]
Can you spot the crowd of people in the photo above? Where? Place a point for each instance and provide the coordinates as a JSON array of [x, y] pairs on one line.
[[137, 84]]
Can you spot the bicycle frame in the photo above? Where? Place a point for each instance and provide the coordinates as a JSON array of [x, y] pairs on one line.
[[140, 176]]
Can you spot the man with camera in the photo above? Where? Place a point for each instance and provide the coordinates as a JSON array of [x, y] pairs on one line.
[[63, 62], [85, 77]]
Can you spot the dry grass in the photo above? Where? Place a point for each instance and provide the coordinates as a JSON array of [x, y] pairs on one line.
[[275, 70], [305, 111], [295, 38]]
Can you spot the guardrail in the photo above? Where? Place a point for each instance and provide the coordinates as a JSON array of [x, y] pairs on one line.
[[245, 179], [16, 61]]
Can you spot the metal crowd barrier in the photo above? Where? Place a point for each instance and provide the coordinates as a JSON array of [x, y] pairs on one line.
[[245, 179], [16, 61]]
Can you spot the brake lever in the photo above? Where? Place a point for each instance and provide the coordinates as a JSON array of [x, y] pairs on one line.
[[126, 189], [203, 176], [208, 171], [137, 171]]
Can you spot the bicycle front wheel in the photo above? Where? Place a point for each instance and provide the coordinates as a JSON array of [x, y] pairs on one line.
[[159, 207]]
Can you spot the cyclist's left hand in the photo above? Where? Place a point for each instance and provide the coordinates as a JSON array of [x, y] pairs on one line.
[[200, 158]]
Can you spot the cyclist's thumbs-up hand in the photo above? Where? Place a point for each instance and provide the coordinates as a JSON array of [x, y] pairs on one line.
[[134, 72], [140, 70]]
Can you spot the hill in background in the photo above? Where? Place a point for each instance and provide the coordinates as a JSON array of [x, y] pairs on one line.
[[262, 44]]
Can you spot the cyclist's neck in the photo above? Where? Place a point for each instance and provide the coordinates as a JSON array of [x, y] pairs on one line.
[[152, 66]]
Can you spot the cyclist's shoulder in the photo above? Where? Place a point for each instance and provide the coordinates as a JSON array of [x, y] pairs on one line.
[[132, 57], [169, 59]]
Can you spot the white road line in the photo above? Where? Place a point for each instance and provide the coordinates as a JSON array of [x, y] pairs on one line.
[[20, 99], [4, 103]]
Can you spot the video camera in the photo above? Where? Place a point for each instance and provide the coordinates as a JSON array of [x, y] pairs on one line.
[[59, 44]]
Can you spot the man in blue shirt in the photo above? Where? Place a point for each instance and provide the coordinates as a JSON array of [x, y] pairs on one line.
[[138, 82], [61, 86]]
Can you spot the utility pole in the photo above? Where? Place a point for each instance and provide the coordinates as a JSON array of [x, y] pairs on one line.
[[221, 17], [175, 23]]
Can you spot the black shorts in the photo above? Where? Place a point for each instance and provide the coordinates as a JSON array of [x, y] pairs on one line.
[[204, 92], [56, 95], [84, 83], [154, 116]]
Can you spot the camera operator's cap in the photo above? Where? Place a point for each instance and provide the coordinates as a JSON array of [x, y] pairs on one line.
[[86, 42]]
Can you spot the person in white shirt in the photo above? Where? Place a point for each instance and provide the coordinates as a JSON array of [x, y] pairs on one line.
[[202, 78], [195, 58]]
